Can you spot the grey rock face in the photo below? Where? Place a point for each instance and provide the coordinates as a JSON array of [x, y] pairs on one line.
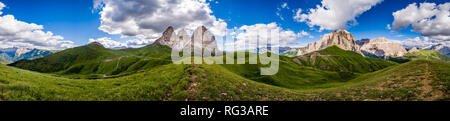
[[21, 51]]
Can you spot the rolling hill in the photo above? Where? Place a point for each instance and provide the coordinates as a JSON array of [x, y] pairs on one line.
[[11, 55], [428, 81], [335, 59]]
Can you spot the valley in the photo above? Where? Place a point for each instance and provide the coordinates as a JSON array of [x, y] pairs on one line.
[[331, 73]]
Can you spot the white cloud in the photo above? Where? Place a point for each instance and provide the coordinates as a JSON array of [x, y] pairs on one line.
[[428, 19], [15, 33], [1, 7], [335, 14], [108, 42], [249, 34], [423, 43], [303, 33], [388, 27], [147, 19]]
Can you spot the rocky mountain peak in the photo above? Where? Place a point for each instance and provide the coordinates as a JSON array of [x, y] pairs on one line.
[[340, 38], [382, 47]]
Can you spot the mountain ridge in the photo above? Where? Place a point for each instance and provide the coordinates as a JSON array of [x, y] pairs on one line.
[[341, 38], [14, 54], [382, 48]]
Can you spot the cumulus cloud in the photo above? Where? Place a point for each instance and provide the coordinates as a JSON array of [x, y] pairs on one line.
[[428, 19], [15, 33], [250, 35], [138, 43], [147, 19], [335, 14]]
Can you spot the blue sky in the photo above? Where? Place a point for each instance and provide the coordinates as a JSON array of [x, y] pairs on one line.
[[78, 21]]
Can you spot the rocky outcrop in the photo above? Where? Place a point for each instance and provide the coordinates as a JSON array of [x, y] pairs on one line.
[[165, 39], [21, 51], [381, 47], [341, 38], [441, 48], [413, 50]]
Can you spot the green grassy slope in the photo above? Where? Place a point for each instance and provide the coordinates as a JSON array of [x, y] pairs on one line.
[[96, 61], [416, 80]]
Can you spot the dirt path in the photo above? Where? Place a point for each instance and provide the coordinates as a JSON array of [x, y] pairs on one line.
[[427, 88]]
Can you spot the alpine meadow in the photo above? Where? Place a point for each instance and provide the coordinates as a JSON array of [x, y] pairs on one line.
[[315, 50]]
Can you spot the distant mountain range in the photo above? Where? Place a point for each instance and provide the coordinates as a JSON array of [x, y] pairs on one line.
[[439, 47], [376, 48], [11, 55]]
